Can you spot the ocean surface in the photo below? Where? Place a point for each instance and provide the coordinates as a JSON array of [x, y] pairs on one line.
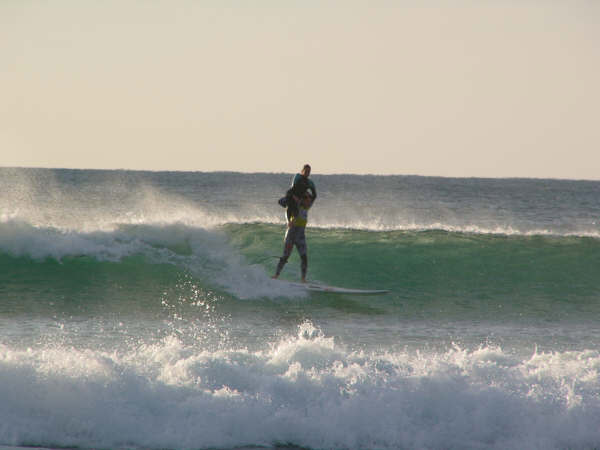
[[137, 311]]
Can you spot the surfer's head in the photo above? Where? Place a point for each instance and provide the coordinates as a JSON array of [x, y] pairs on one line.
[[306, 170]]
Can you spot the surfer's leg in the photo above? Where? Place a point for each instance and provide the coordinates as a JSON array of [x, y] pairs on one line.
[[303, 266], [301, 246], [287, 250], [280, 265], [292, 208]]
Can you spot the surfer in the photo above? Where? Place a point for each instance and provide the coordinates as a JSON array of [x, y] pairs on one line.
[[300, 185], [294, 235]]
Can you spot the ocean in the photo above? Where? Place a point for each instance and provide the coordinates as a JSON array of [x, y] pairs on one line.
[[137, 311]]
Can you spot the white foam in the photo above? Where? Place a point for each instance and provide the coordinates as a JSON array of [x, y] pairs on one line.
[[22, 239], [304, 390]]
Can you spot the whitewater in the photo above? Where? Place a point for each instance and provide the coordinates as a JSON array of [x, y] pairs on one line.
[[137, 311]]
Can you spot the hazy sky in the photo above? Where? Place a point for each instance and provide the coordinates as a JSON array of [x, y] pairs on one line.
[[433, 87]]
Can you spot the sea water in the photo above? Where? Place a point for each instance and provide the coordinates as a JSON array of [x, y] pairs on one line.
[[137, 311]]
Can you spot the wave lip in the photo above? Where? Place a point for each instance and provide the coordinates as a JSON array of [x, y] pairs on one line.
[[21, 238], [499, 230], [204, 252], [305, 390]]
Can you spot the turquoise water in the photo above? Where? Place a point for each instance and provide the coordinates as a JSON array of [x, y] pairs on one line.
[[137, 310]]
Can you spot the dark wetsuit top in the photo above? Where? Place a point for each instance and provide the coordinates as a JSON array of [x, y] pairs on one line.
[[300, 184]]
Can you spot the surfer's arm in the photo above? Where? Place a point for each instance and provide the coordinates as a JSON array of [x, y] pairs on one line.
[[295, 180], [313, 188], [297, 187]]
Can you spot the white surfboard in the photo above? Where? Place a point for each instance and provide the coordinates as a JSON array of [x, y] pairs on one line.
[[315, 287]]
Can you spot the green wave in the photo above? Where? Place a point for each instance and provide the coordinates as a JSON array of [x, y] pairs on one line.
[[440, 266], [430, 273], [82, 285]]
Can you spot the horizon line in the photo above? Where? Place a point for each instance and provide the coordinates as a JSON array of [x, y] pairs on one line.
[[313, 173]]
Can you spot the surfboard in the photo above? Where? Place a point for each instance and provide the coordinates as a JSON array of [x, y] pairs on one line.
[[316, 287]]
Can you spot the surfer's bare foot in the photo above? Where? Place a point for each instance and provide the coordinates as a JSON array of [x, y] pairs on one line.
[[304, 280], [275, 277]]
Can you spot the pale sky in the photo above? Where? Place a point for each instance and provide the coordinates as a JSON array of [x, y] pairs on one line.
[[435, 87]]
